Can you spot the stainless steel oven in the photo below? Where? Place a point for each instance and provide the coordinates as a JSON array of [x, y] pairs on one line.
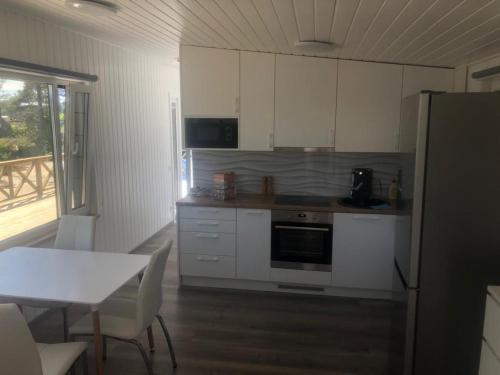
[[301, 240]]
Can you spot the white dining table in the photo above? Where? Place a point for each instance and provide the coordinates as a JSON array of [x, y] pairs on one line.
[[80, 277]]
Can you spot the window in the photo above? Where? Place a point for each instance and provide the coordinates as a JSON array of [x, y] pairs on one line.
[[43, 129]]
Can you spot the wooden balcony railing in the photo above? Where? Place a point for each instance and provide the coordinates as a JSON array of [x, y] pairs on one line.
[[26, 177]]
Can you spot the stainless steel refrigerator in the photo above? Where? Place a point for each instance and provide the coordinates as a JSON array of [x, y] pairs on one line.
[[448, 231]]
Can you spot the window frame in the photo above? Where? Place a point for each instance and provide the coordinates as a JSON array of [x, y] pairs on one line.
[[47, 230]]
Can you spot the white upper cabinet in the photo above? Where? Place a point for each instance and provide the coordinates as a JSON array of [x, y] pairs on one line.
[[305, 100], [418, 78], [256, 101], [368, 107], [209, 81]]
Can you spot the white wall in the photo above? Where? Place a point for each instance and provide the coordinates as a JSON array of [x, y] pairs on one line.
[[130, 131], [463, 75]]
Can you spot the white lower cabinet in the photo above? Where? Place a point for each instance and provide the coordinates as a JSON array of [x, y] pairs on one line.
[[363, 251], [207, 241], [253, 244]]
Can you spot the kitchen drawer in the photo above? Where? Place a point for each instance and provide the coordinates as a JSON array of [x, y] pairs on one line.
[[208, 243], [490, 364], [492, 324], [208, 265], [212, 226], [211, 213]]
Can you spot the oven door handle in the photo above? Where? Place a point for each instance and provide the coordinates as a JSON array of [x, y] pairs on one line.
[[302, 228]]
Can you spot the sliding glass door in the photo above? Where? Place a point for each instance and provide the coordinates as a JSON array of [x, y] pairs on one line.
[[43, 131]]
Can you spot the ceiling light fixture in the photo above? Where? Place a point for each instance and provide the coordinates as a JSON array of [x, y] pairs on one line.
[[314, 46], [93, 7]]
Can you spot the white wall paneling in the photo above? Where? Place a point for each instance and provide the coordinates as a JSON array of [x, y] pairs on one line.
[[418, 78], [130, 138]]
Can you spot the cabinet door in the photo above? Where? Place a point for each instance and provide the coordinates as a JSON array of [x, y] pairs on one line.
[[256, 101], [363, 251], [368, 102], [305, 99], [417, 78], [253, 244], [209, 81]]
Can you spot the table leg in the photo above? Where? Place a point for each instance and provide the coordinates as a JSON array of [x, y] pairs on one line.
[[97, 342]]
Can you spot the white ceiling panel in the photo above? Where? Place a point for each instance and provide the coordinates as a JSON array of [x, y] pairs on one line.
[[323, 19], [426, 32]]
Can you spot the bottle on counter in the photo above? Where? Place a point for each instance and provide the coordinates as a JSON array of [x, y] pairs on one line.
[[393, 191]]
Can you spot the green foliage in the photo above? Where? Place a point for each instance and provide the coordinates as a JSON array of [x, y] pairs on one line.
[[29, 112], [21, 147]]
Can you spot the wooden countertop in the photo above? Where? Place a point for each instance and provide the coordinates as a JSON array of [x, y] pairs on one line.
[[267, 202]]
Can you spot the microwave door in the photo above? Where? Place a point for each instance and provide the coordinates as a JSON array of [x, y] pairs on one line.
[[211, 133]]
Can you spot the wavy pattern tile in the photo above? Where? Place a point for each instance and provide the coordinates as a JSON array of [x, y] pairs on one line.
[[326, 174]]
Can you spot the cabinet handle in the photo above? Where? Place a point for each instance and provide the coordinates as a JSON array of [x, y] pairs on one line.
[[260, 213], [207, 259], [302, 228], [366, 217], [208, 224], [207, 235], [208, 211], [270, 141], [332, 137]]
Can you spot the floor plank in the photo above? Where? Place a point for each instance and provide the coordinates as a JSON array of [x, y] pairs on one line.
[[238, 332]]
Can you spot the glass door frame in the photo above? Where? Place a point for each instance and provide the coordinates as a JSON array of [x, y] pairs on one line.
[[47, 230]]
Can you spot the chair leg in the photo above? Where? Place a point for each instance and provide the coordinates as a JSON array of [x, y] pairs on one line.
[[169, 340], [104, 348], [145, 357], [85, 363], [64, 312], [151, 339]]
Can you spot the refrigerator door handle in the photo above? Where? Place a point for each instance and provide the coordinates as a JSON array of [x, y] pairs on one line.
[[400, 274]]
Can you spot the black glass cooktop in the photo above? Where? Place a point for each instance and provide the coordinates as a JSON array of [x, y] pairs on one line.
[[302, 200]]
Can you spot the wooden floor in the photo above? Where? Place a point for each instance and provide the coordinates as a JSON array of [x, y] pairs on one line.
[[237, 332]]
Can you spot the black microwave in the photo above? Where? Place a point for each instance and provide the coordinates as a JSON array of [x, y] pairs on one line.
[[221, 133]]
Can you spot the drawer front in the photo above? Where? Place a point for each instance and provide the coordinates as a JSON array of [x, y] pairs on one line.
[[492, 325], [212, 226], [210, 213], [208, 243], [490, 364], [208, 265]]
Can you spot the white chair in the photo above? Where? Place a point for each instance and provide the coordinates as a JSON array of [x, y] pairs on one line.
[[127, 319], [20, 355], [73, 233]]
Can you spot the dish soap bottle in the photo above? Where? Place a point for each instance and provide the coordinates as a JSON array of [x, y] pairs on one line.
[[393, 191]]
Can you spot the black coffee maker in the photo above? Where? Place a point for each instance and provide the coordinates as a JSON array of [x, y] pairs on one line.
[[361, 186]]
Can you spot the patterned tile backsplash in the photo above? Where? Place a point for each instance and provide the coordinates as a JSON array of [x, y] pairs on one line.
[[327, 174]]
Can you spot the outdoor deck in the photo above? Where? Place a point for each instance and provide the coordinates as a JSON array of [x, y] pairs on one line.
[[27, 195], [28, 216]]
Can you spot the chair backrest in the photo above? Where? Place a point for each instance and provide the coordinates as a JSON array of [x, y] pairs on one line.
[[150, 296], [18, 351], [75, 233]]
